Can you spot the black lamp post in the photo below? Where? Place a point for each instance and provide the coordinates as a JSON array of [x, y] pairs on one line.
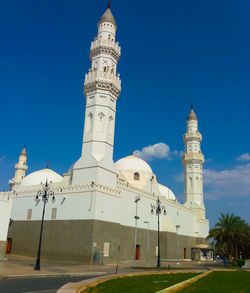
[[44, 194], [158, 208]]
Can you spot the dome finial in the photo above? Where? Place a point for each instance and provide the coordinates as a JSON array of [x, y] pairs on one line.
[[192, 106], [191, 115], [109, 4], [132, 152], [47, 164], [23, 152]]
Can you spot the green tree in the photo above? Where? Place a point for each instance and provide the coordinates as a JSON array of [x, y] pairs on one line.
[[241, 235], [233, 232], [223, 232]]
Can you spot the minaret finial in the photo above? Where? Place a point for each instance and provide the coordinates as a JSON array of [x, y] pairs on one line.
[[108, 3]]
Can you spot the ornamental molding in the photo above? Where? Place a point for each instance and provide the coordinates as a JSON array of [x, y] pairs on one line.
[[168, 202], [66, 189], [102, 80], [192, 138], [104, 50], [106, 46], [5, 196]]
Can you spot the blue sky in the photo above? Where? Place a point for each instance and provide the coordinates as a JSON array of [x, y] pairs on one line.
[[173, 53]]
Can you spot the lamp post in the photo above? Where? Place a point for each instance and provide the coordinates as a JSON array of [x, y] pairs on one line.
[[147, 222], [158, 208], [177, 243], [44, 194], [137, 198]]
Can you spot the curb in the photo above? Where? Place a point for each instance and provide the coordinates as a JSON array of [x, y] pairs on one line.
[[24, 276], [85, 285], [183, 284]]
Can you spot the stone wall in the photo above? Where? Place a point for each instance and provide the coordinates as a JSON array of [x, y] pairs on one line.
[[80, 239], [2, 249]]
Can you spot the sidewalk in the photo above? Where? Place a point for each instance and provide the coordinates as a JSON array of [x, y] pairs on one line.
[[16, 266]]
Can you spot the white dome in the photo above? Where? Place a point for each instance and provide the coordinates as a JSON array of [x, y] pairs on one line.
[[41, 176], [133, 163], [166, 192]]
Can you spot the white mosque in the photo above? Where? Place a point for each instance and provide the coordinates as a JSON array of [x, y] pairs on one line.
[[93, 216]]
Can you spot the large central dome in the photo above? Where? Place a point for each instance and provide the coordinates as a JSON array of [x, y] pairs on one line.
[[134, 170], [133, 163]]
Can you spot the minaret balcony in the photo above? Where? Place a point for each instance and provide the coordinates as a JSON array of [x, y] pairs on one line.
[[102, 80], [192, 136], [197, 157], [105, 46]]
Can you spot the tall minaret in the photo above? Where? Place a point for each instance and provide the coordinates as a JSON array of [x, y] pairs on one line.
[[192, 162], [102, 87], [20, 169]]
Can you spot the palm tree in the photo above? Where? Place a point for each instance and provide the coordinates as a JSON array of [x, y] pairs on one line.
[[240, 234], [234, 232], [224, 232]]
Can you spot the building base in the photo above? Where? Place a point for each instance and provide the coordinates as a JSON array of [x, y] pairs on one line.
[[94, 241], [2, 249]]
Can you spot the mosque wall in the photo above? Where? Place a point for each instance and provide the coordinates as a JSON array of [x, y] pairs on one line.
[[83, 240], [5, 209]]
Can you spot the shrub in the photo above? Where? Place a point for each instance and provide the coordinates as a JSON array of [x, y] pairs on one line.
[[240, 262]]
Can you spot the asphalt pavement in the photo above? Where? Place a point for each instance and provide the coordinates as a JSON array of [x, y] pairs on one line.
[[37, 285]]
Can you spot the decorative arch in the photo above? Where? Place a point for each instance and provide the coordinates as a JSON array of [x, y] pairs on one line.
[[89, 123], [111, 125], [101, 122]]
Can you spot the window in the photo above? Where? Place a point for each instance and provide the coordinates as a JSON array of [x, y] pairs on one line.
[[106, 249], [136, 176], [29, 214], [53, 213]]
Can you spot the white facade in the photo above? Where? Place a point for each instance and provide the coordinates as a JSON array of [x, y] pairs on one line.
[[5, 210], [97, 188]]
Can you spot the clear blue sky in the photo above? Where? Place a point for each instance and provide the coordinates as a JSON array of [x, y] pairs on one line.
[[173, 53]]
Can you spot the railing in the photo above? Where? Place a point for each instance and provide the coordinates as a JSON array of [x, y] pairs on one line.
[[107, 43], [102, 76]]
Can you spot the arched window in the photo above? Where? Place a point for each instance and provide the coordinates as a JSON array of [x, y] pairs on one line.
[[89, 122], [136, 176], [111, 126], [101, 123], [197, 182], [191, 182]]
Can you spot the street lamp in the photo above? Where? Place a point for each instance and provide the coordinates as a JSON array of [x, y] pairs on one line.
[[158, 208], [137, 198], [177, 243], [44, 194], [147, 222]]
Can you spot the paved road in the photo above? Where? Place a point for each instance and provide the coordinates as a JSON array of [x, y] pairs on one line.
[[37, 285]]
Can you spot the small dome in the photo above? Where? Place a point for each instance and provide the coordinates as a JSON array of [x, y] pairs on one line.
[[133, 163], [191, 115], [107, 17], [41, 176], [166, 192]]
